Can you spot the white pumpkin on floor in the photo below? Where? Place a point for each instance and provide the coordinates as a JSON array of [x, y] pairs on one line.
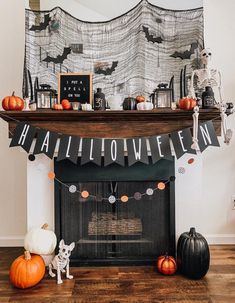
[[145, 106], [40, 241]]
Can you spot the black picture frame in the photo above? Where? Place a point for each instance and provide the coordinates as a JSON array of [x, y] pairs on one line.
[[75, 87]]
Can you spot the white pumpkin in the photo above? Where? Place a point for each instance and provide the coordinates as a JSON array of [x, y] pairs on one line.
[[48, 258], [145, 106], [86, 107], [40, 241]]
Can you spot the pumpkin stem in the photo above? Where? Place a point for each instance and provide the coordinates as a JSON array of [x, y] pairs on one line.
[[27, 255], [45, 226], [13, 94], [192, 231]]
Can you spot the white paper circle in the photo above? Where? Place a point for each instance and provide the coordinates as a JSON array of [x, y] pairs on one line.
[[149, 191], [181, 170], [112, 199], [72, 189]]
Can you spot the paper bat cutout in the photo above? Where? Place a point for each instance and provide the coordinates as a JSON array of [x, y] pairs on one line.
[[186, 54], [108, 70], [43, 25], [151, 38], [60, 58]]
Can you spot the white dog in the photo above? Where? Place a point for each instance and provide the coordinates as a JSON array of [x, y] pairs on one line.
[[61, 261]]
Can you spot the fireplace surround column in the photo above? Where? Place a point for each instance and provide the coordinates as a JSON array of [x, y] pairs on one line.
[[40, 192]]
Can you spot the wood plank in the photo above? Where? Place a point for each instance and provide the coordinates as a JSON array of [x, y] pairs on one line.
[[127, 284]]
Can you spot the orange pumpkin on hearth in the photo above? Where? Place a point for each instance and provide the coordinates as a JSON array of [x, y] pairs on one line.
[[27, 270], [12, 103], [187, 103], [166, 265]]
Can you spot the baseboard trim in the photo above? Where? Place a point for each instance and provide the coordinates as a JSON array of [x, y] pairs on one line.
[[220, 239], [11, 241]]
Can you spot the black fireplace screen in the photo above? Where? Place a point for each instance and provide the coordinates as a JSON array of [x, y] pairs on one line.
[[133, 232]]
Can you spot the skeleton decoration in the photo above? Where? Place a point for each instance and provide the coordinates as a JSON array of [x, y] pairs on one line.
[[227, 132], [61, 261], [195, 145], [206, 76]]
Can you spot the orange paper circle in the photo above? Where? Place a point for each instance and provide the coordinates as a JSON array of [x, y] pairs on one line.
[[190, 161], [51, 175], [161, 186], [124, 199], [85, 194]]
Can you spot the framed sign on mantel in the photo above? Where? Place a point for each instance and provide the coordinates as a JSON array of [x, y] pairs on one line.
[[75, 87]]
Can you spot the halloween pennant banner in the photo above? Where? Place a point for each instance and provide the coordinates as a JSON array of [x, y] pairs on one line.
[[103, 151]]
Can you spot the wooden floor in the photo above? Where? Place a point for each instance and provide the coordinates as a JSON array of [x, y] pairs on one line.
[[127, 284]]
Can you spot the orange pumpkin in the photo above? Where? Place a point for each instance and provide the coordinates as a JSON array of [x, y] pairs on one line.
[[166, 265], [12, 103], [140, 99], [58, 107], [66, 104], [27, 270], [187, 103]]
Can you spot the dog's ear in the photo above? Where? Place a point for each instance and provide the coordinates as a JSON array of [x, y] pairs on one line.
[[61, 244], [71, 246]]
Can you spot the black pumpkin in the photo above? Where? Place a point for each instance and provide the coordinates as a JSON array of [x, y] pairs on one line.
[[129, 103], [193, 255]]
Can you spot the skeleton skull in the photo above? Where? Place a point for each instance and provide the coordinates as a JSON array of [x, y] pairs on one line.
[[205, 56]]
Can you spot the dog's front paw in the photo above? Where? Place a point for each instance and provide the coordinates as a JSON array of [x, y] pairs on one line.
[[69, 277], [62, 270], [52, 274], [59, 282]]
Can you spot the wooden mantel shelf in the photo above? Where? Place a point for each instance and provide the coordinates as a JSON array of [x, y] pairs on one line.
[[111, 124]]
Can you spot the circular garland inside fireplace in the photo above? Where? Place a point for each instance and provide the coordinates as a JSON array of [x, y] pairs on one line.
[[112, 199]]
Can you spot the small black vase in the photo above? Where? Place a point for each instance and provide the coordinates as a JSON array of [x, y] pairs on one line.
[[193, 255], [99, 100], [208, 99]]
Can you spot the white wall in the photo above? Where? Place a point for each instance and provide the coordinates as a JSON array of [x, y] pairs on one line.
[[74, 8], [219, 164], [12, 162], [119, 7], [205, 202]]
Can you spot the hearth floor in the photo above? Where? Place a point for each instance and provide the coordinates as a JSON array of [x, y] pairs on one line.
[[127, 284]]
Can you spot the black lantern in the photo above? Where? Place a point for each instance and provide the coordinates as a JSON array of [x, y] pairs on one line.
[[162, 96], [45, 96]]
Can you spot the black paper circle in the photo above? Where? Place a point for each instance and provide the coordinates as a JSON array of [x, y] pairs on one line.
[[31, 157]]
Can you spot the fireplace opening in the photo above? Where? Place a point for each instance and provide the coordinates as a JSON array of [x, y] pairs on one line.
[[118, 233]]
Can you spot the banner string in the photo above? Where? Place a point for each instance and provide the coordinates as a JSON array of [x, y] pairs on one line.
[[9, 117], [160, 186]]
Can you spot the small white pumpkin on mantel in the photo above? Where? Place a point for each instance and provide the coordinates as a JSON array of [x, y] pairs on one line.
[[145, 106], [40, 241], [86, 107]]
